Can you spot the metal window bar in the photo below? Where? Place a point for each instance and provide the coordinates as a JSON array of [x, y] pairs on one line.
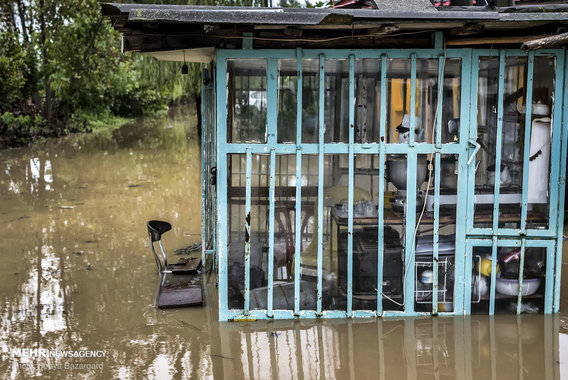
[[468, 136], [561, 62], [207, 142], [525, 179], [381, 200], [272, 111], [463, 266], [410, 207], [527, 140], [497, 187], [222, 158], [213, 163], [521, 271], [436, 226], [350, 195], [321, 132], [248, 231], [258, 178], [271, 202], [298, 215], [556, 144], [204, 167]]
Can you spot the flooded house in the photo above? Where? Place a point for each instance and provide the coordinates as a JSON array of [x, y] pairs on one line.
[[403, 160]]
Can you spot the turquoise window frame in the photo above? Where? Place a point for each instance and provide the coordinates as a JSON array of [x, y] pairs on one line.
[[465, 149]]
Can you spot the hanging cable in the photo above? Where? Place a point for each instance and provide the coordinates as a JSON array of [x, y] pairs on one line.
[[428, 187]]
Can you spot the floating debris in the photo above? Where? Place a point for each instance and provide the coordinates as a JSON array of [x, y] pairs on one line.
[[67, 207], [89, 267], [186, 324], [221, 356], [189, 249], [135, 185], [78, 253]]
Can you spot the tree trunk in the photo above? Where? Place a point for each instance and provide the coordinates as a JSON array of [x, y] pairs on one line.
[[45, 61], [22, 14]]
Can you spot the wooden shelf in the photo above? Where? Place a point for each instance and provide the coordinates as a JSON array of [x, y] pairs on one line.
[[428, 218]]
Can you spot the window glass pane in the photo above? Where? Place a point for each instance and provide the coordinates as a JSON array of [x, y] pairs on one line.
[[510, 174], [507, 279], [309, 229], [451, 101], [488, 88], [426, 95], [365, 103], [246, 100], [236, 197], [335, 259], [540, 142], [310, 100], [336, 106], [287, 100]]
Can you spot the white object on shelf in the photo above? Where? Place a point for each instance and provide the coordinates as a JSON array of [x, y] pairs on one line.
[[510, 287], [539, 166]]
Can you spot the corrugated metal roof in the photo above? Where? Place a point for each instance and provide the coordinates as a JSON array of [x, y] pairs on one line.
[[389, 10], [149, 27]]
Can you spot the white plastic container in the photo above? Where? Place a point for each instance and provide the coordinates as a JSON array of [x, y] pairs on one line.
[[539, 165], [510, 287]]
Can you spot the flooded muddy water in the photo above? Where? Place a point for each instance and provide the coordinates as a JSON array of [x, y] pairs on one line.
[[77, 275]]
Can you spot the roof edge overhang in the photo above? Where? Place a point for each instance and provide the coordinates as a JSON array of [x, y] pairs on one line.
[[160, 28]]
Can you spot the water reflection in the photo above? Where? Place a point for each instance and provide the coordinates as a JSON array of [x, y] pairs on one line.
[[77, 273], [478, 347]]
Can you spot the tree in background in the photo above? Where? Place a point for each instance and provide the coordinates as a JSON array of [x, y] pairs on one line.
[[61, 69]]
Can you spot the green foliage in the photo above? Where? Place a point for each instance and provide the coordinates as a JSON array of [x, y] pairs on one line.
[[35, 124], [61, 59], [321, 4], [290, 4], [166, 78], [141, 101], [18, 129], [11, 76]]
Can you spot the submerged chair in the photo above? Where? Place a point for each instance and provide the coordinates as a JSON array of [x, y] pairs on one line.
[[285, 214], [180, 283], [156, 228]]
